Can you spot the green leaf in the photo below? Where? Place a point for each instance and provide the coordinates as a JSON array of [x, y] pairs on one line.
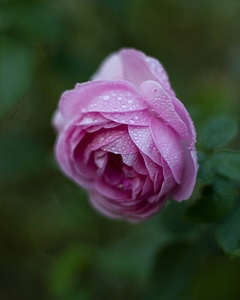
[[227, 163], [65, 273], [173, 270], [173, 217], [214, 203], [134, 254], [205, 173], [216, 131], [17, 64], [228, 233]]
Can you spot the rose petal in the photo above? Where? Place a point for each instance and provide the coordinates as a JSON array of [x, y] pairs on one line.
[[142, 138], [105, 207], [138, 118], [159, 73], [92, 119], [100, 96], [110, 69], [168, 144], [100, 139], [184, 190], [109, 191], [168, 182], [135, 68], [121, 145], [147, 187], [64, 155], [151, 167], [183, 114], [160, 102], [58, 121]]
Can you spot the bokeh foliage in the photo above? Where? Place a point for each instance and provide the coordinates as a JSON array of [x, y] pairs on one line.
[[52, 244]]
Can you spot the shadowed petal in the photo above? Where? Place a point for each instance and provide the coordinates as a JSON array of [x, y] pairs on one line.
[[184, 190], [142, 138], [168, 144]]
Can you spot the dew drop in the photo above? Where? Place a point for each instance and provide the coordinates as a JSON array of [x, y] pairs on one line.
[[105, 97]]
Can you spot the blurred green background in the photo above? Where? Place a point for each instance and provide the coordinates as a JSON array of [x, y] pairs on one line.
[[53, 245]]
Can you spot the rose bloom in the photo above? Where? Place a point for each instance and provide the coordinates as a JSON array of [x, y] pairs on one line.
[[126, 138]]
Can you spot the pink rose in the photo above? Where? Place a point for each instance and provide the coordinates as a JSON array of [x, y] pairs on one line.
[[126, 138]]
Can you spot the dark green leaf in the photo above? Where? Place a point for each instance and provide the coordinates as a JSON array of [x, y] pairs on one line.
[[227, 163], [216, 131], [228, 233], [205, 173], [174, 217], [214, 203], [173, 271], [65, 273]]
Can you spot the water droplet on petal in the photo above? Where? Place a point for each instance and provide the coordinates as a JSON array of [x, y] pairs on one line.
[[105, 97]]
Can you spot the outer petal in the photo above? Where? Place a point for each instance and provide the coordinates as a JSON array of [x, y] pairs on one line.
[[100, 96], [160, 74], [135, 67], [110, 69], [107, 208], [64, 148], [138, 118], [184, 190], [183, 114], [161, 103], [58, 121], [168, 144]]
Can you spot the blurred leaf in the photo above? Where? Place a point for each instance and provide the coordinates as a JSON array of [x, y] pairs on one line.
[[216, 131], [20, 156], [132, 257], [218, 280], [205, 173], [214, 203], [228, 233], [173, 271], [227, 163], [67, 273], [174, 217], [17, 64]]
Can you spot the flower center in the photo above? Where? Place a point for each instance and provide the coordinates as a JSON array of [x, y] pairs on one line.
[[117, 173]]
